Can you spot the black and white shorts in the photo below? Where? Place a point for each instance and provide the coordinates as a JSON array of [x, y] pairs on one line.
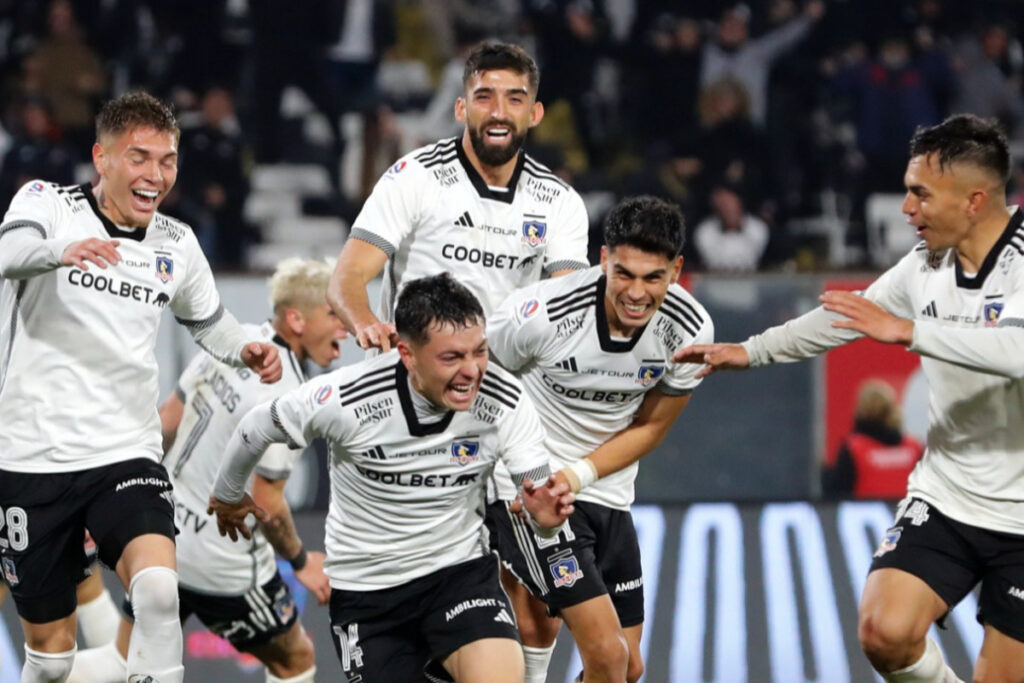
[[246, 621], [404, 633], [952, 557], [46, 516], [597, 554]]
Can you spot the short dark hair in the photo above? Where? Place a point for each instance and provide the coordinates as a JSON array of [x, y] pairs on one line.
[[132, 110], [435, 300], [499, 56], [646, 223], [965, 138]]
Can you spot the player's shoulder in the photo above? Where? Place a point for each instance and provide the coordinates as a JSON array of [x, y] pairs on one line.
[[367, 379], [44, 190], [564, 295], [172, 229], [921, 259], [500, 391], [683, 311], [543, 174], [545, 186], [438, 153]]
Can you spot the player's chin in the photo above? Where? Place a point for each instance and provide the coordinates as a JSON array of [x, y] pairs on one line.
[[460, 397]]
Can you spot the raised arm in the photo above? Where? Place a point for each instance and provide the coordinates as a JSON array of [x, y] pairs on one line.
[[359, 262]]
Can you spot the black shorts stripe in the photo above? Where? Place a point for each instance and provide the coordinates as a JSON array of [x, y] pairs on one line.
[[487, 391], [524, 535]]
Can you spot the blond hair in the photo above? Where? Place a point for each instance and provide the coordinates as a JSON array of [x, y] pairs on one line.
[[877, 402], [299, 283]]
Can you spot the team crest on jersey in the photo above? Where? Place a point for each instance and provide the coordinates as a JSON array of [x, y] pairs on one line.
[[164, 268], [992, 312], [465, 452], [10, 573], [397, 168], [322, 394], [565, 570], [535, 233], [284, 606], [892, 537], [649, 374], [528, 309]]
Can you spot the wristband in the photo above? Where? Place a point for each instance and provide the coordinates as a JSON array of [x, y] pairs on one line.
[[299, 561], [580, 474]]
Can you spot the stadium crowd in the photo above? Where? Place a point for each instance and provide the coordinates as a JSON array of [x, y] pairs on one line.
[[750, 116]]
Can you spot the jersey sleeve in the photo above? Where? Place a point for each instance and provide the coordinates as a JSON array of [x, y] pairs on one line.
[[680, 378], [890, 290], [521, 443], [518, 329], [31, 242], [197, 300], [278, 461], [567, 249], [305, 413], [393, 208]]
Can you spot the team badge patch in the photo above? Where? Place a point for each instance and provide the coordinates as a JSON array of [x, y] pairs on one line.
[[164, 268], [397, 168], [534, 233], [465, 452], [892, 537], [991, 314], [528, 309], [10, 573], [36, 188], [566, 570], [649, 374], [284, 606], [322, 394]]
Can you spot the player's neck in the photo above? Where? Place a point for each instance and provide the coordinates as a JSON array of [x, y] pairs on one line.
[[982, 238], [108, 209], [290, 338], [494, 176], [616, 330]]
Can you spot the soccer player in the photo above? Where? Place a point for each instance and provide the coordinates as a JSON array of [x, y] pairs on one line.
[[235, 588], [594, 351], [413, 434], [476, 206], [87, 273], [957, 299]]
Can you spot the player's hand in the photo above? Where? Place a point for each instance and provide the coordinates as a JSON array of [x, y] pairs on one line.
[[868, 318], [231, 516], [549, 503], [378, 335], [313, 578], [93, 250], [263, 359], [714, 356]]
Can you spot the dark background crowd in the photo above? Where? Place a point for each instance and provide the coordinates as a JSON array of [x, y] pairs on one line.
[[760, 118]]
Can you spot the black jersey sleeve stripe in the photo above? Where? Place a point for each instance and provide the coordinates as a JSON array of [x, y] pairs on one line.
[[541, 171], [16, 225], [441, 161], [565, 264], [440, 148], [554, 309], [488, 391], [674, 317], [367, 376], [555, 300], [687, 311], [502, 382], [374, 239], [348, 401], [537, 475], [204, 323], [563, 314], [686, 305], [276, 419], [1017, 248], [496, 390], [1011, 322], [345, 396]]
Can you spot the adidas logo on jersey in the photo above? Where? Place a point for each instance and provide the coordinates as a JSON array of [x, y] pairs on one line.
[[464, 220], [504, 618], [930, 311]]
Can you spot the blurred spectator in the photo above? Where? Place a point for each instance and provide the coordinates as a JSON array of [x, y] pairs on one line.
[[68, 73], [748, 60], [875, 460], [215, 181], [730, 239], [571, 36], [494, 19], [988, 67], [36, 151]]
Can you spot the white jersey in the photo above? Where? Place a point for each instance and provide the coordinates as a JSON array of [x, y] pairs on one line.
[[216, 397], [78, 375], [973, 467], [587, 385], [432, 212], [406, 497]]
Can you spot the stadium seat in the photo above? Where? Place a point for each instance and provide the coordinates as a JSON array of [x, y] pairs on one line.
[[889, 236]]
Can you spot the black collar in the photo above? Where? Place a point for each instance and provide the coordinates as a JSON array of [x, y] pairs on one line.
[[481, 186], [138, 234], [989, 263], [609, 345], [409, 410]]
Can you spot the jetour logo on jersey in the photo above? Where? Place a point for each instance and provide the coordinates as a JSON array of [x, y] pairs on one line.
[[991, 314], [534, 232], [465, 452], [164, 268], [649, 374]]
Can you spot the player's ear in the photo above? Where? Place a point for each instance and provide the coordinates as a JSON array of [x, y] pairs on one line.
[[536, 113], [460, 109], [99, 156], [677, 268], [604, 257], [295, 320], [405, 353]]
